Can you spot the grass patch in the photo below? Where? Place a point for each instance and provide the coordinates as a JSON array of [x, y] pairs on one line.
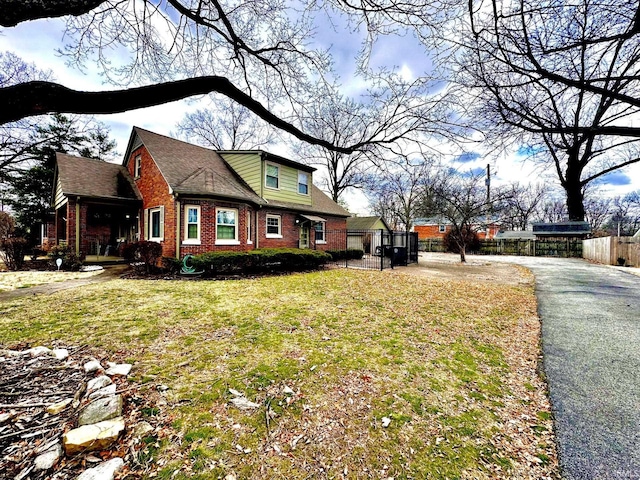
[[326, 356]]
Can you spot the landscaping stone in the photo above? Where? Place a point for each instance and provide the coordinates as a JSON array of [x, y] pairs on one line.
[[56, 408], [60, 353], [93, 437], [103, 392], [37, 351], [120, 369], [104, 471], [92, 366], [48, 459], [142, 429], [98, 383], [100, 410]]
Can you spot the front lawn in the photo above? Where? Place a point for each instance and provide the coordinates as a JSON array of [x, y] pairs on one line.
[[357, 374]]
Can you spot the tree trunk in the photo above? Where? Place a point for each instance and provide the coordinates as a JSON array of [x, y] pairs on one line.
[[463, 258], [573, 187]]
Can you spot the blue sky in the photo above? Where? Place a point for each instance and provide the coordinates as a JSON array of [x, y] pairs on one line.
[[36, 42]]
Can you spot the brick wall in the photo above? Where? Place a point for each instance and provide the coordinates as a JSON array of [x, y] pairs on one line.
[[155, 193], [430, 231], [290, 231]]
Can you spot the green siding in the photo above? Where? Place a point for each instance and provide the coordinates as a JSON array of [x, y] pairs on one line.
[[251, 168], [247, 165], [288, 187]]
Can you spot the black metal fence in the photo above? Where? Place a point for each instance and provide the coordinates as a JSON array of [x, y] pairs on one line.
[[382, 248], [542, 247]]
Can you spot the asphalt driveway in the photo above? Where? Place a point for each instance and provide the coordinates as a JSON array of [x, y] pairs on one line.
[[591, 352]]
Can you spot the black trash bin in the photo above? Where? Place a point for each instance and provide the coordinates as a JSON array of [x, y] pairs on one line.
[[399, 256]]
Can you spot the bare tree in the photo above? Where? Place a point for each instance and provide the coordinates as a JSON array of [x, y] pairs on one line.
[[226, 126], [522, 205], [462, 199], [553, 210], [560, 77], [625, 214], [399, 192], [257, 54]]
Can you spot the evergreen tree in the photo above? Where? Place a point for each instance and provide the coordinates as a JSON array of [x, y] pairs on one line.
[[30, 189]]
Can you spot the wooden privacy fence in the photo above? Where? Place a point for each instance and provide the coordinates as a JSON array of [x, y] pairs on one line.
[[546, 247], [613, 250]]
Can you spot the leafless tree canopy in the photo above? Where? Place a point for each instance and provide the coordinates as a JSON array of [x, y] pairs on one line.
[[260, 54], [560, 77]]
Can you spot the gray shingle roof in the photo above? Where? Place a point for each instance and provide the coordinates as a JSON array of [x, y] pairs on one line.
[[190, 169], [322, 203], [87, 177], [364, 223]]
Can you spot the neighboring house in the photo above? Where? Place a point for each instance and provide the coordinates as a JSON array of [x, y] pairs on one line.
[[192, 200], [367, 233], [436, 228], [561, 229]]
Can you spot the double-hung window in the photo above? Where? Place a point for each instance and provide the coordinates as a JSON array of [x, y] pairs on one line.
[[227, 226], [272, 179], [137, 166], [303, 183], [274, 226], [192, 224], [442, 228], [320, 232], [154, 218]]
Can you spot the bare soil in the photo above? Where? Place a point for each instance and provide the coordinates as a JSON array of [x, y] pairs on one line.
[[476, 268]]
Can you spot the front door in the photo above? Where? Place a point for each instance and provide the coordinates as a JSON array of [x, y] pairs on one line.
[[304, 236]]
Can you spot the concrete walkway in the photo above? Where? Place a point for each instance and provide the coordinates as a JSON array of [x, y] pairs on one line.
[[591, 349], [110, 272]]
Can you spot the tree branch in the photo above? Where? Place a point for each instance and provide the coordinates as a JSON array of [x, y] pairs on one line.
[[37, 98], [13, 12]]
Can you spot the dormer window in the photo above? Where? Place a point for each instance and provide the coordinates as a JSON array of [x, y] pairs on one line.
[[303, 183], [273, 176]]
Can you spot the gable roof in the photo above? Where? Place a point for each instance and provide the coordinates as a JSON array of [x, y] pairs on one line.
[[365, 223], [86, 177], [191, 169]]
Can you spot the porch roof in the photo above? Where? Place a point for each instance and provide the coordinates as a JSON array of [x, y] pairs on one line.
[[86, 177]]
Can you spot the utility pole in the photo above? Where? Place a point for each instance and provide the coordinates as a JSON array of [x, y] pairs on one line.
[[487, 182]]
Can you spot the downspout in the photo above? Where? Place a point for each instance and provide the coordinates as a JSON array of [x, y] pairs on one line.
[[178, 230], [78, 226]]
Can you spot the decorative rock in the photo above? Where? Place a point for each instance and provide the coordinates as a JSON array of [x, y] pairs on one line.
[[104, 471], [100, 410], [104, 392], [48, 459], [92, 437], [56, 408], [386, 421], [37, 351], [142, 429], [92, 366], [244, 404], [122, 369], [98, 383], [60, 353]]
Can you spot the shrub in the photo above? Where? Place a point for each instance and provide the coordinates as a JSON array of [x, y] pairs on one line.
[[171, 264], [348, 254], [12, 251], [70, 260], [145, 254], [259, 261], [7, 225], [453, 237]]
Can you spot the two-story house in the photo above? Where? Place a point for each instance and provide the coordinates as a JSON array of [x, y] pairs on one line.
[[191, 200]]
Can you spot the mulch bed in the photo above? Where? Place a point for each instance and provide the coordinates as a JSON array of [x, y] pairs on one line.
[[29, 384]]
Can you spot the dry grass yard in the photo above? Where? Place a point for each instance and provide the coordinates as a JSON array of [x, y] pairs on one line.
[[355, 374]]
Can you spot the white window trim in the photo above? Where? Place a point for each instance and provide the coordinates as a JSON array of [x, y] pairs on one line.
[[149, 219], [228, 241], [137, 166], [324, 234], [307, 184], [442, 228], [191, 241], [266, 226], [249, 229], [266, 169]]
